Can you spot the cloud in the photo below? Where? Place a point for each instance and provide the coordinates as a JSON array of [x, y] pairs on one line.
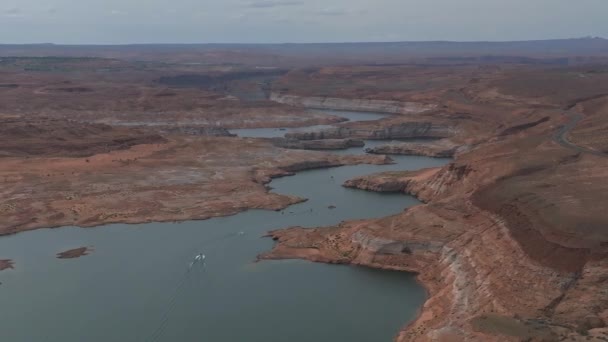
[[273, 3]]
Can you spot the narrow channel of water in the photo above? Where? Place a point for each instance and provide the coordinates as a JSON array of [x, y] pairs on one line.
[[129, 285], [280, 132]]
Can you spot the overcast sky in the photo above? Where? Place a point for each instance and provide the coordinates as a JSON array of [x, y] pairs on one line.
[[272, 21]]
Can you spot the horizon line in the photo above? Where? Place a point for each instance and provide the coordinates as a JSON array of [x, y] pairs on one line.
[[311, 43]]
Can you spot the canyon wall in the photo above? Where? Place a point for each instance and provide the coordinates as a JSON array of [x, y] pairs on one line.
[[487, 281]]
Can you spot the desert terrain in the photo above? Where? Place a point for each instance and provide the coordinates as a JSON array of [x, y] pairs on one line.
[[510, 241], [83, 149]]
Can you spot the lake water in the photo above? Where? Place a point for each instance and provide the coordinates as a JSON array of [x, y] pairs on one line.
[[137, 285], [280, 132]]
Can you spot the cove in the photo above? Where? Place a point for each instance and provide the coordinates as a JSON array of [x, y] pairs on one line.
[[137, 281]]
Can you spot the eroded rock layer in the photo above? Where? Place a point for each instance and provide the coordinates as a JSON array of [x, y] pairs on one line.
[[510, 241], [326, 144], [408, 130], [363, 105], [443, 148]]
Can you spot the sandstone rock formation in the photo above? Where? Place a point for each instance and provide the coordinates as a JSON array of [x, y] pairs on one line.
[[74, 253], [443, 148], [510, 241], [6, 265], [364, 105], [326, 144], [151, 182], [408, 182], [203, 131], [484, 283], [406, 130], [52, 137]]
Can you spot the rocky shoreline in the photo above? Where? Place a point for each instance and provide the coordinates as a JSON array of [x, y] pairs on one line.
[[455, 248], [406, 130], [493, 270], [326, 144], [443, 148], [93, 205], [407, 182], [6, 264], [510, 241], [74, 253]]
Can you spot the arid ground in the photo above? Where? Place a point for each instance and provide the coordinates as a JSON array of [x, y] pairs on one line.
[[511, 241]]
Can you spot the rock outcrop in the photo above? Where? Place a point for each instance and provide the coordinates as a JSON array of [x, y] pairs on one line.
[[443, 148], [363, 105], [151, 182], [24, 137], [425, 184], [6, 265], [461, 254], [406, 130], [333, 162], [202, 131], [505, 253], [408, 182], [326, 144], [74, 253]]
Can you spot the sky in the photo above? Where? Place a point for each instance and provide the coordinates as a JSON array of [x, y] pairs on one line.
[[297, 21]]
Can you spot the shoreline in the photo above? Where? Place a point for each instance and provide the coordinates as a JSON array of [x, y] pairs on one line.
[[260, 176], [508, 243], [452, 246], [264, 178], [415, 274]]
